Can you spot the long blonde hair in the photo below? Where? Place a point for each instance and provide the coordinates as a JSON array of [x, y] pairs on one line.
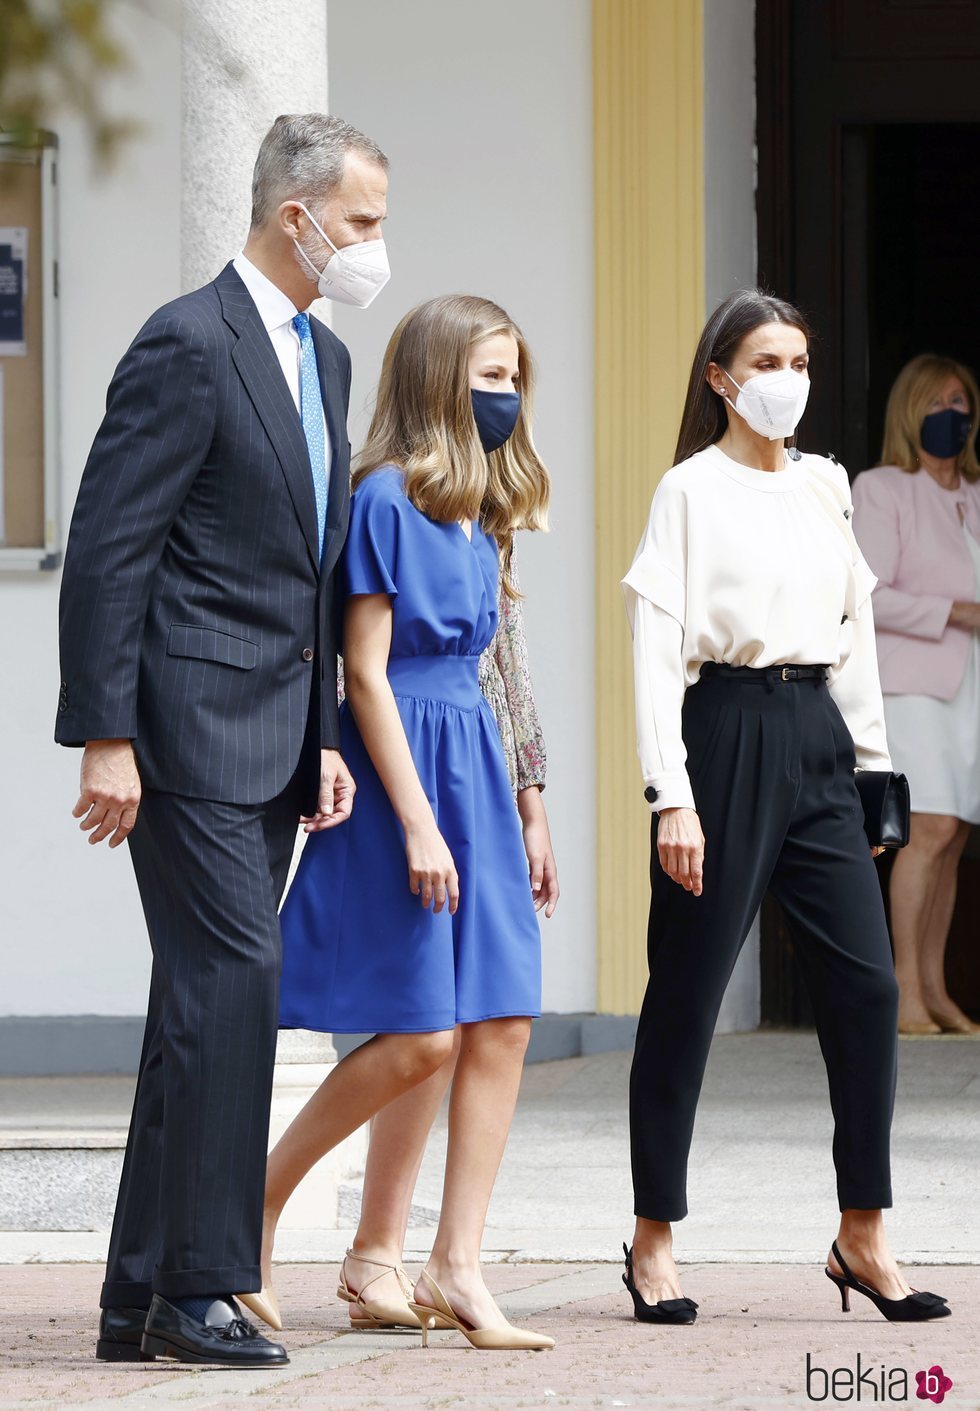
[[908, 404], [423, 422]]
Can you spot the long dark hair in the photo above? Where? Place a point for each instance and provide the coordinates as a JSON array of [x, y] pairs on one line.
[[705, 420]]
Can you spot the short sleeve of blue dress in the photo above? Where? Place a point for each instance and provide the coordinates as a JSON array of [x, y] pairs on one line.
[[370, 559], [360, 955]]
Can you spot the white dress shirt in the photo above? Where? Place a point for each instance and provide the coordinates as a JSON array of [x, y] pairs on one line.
[[754, 568], [277, 311]]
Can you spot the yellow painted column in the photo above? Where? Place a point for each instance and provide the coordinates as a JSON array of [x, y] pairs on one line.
[[649, 293]]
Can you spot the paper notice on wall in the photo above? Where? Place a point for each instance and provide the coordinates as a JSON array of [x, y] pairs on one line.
[[13, 290]]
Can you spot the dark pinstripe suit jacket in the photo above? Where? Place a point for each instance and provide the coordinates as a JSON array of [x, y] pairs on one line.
[[195, 618]]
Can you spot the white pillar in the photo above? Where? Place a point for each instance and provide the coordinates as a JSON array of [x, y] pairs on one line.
[[303, 1060], [243, 63]]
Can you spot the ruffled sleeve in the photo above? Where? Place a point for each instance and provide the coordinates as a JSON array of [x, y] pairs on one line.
[[371, 551], [854, 682], [833, 491], [659, 569], [656, 603]]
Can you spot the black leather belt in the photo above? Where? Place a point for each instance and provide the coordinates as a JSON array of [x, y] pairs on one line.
[[765, 675]]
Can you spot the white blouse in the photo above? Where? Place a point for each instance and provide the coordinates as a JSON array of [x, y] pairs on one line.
[[754, 568]]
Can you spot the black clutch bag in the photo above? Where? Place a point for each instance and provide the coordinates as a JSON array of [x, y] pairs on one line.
[[885, 800]]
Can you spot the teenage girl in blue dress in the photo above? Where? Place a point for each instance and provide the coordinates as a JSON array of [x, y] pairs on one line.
[[417, 915]]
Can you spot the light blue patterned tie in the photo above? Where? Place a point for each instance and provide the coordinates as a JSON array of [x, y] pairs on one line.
[[311, 410]]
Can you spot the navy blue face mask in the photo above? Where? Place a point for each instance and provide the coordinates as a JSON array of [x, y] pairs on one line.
[[943, 434], [495, 414]]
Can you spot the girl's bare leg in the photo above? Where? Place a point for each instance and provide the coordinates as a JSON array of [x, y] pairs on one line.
[[398, 1136], [481, 1108], [361, 1084]]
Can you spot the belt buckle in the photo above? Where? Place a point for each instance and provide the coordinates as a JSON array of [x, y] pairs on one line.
[[784, 675]]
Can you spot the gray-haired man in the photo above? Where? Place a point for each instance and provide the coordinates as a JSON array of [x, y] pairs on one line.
[[199, 673]]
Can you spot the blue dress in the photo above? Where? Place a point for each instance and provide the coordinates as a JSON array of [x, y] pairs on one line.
[[360, 955]]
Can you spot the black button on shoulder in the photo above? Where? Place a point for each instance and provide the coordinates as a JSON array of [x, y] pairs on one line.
[[650, 794], [307, 653]]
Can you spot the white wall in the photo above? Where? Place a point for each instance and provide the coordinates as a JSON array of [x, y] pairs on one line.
[[74, 940], [485, 112], [730, 263]]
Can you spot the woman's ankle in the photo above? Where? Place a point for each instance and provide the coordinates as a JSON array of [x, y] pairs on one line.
[[862, 1230], [455, 1264], [370, 1251], [652, 1237]]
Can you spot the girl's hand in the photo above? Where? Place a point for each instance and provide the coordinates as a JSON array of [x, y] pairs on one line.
[[876, 852], [540, 854], [680, 845], [431, 870]]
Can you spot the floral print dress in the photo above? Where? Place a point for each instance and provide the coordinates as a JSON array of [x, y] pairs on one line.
[[505, 681]]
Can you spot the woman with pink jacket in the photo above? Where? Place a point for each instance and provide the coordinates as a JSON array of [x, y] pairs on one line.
[[917, 519]]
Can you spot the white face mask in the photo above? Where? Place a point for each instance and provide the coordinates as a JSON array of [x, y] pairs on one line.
[[772, 402], [355, 275]]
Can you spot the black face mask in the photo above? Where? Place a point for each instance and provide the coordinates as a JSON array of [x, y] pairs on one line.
[[943, 434]]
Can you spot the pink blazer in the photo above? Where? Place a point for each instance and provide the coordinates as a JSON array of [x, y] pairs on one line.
[[910, 531]]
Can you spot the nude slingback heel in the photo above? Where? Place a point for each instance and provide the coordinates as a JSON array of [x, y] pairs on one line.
[[374, 1313], [486, 1339], [264, 1305]]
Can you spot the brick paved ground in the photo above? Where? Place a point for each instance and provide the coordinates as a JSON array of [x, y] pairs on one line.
[[747, 1350]]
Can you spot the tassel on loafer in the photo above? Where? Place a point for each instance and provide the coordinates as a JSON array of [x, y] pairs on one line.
[[914, 1308], [667, 1310]]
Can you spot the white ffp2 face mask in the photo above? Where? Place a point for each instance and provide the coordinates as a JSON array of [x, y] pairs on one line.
[[772, 403], [355, 275]]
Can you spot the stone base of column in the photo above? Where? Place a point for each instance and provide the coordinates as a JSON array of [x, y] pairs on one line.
[[303, 1060]]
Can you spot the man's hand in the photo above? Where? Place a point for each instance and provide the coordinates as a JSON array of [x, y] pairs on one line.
[[110, 791], [680, 845], [337, 790]]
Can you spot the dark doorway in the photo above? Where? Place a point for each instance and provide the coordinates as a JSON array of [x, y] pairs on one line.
[[868, 126]]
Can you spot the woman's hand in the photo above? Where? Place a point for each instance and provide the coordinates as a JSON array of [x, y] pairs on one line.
[[965, 615], [876, 852], [680, 845], [431, 870], [537, 845]]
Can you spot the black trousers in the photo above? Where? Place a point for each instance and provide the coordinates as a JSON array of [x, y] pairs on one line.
[[771, 766], [189, 1211]]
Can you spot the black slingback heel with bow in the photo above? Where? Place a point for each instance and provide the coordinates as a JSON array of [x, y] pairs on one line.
[[668, 1310], [914, 1308]]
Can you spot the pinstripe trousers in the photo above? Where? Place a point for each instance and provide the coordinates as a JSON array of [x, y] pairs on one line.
[[189, 1211]]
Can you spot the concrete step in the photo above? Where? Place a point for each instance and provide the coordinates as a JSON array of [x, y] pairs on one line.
[[62, 1142], [59, 1180]]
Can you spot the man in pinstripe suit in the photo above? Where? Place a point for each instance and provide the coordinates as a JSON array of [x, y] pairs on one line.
[[198, 649]]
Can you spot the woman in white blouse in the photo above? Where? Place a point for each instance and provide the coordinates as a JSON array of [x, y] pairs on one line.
[[757, 696]]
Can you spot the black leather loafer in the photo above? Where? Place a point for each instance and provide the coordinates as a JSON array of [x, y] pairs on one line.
[[120, 1335], [223, 1339]]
